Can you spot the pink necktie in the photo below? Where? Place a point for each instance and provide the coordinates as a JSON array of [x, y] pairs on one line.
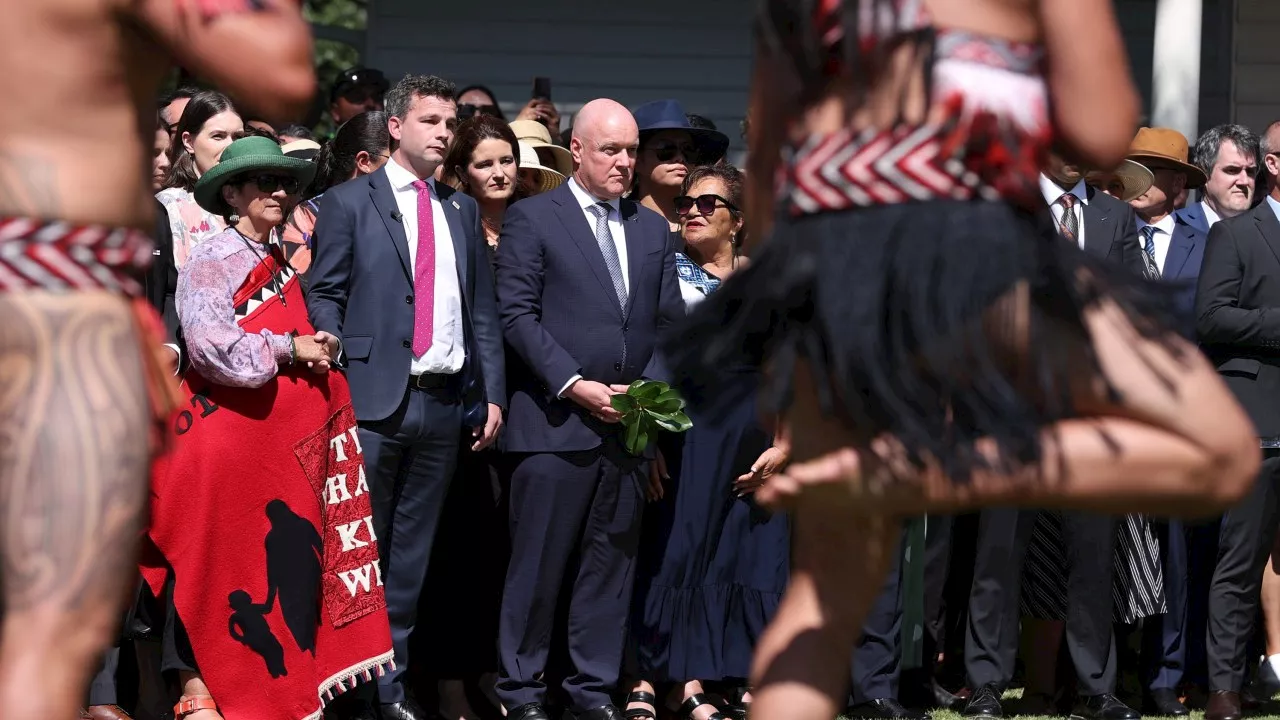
[[424, 273]]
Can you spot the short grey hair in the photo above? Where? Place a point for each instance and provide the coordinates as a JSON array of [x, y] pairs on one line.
[[401, 95], [1205, 154], [1266, 146]]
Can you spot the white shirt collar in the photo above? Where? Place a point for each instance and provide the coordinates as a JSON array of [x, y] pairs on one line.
[[586, 199], [1164, 225], [1210, 217], [1052, 190], [401, 178]]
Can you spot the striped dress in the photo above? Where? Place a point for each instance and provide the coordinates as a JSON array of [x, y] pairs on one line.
[[1137, 579]]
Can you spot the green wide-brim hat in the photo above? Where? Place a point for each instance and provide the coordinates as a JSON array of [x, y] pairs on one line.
[[248, 155]]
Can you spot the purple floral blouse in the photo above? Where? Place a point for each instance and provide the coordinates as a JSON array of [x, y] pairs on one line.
[[218, 348]]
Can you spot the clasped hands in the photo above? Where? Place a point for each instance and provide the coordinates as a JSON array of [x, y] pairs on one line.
[[318, 351], [597, 398]]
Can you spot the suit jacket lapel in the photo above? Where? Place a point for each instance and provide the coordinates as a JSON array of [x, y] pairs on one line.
[[635, 250], [575, 222], [457, 231], [1180, 247], [1268, 226], [384, 201], [1098, 228]]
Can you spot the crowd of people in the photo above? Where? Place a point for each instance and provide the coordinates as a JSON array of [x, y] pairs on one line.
[[515, 531], [406, 470]]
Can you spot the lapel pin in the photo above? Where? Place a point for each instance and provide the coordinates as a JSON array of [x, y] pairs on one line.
[[456, 206]]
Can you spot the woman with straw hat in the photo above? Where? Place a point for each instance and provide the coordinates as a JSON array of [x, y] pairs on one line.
[[247, 511]]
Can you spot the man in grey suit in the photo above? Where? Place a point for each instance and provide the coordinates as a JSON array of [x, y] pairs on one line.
[[401, 276]]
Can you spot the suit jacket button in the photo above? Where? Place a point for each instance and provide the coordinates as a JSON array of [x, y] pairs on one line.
[[408, 299], [407, 344], [617, 367]]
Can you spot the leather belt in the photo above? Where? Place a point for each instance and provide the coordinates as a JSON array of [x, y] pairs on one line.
[[430, 381]]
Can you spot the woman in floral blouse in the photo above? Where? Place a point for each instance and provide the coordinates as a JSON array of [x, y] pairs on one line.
[[208, 125]]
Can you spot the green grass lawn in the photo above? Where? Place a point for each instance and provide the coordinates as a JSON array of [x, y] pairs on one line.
[[1011, 697]]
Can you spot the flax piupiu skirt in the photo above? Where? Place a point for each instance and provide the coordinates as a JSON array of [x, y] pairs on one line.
[[906, 315]]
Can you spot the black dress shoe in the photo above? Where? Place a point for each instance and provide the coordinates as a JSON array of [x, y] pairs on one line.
[[529, 711], [604, 712], [1103, 707], [888, 708], [984, 703], [1165, 702], [404, 710]]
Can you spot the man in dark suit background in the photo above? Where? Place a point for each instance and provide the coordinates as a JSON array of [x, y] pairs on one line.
[[401, 276], [1173, 250], [1103, 227], [585, 280], [1238, 320]]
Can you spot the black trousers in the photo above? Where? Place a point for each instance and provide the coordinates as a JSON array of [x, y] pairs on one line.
[[410, 459], [575, 531], [1244, 544], [991, 646]]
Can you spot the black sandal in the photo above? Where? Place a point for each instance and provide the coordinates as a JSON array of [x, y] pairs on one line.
[[640, 696], [693, 703], [736, 708]]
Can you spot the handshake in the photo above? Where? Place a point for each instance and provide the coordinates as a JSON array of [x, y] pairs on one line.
[[318, 351]]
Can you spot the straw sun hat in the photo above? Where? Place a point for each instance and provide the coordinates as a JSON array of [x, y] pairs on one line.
[[548, 179], [1135, 178]]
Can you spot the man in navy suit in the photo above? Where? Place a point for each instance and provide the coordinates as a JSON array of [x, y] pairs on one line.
[[1228, 155], [1173, 249], [586, 280], [401, 276]]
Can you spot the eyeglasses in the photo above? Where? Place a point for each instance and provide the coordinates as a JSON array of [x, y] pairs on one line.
[[467, 111], [270, 183], [706, 204], [667, 151]]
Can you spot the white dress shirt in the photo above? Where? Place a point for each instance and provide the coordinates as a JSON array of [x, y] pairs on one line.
[[1052, 192], [586, 200], [1210, 217], [1162, 238], [448, 350]]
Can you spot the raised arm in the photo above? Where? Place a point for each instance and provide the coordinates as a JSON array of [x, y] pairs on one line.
[[1094, 102], [766, 134], [230, 42]]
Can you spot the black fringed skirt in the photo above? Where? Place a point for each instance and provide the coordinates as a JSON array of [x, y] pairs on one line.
[[915, 323]]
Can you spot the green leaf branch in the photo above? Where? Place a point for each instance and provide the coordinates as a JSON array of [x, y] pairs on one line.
[[647, 407]]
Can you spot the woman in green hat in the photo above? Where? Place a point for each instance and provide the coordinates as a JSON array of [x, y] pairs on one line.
[[260, 516]]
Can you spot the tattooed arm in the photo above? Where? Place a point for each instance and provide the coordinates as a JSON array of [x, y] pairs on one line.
[[231, 49]]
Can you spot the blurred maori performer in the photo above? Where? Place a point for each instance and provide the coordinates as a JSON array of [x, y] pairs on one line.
[[82, 388]]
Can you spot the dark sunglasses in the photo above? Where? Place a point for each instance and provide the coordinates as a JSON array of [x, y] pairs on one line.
[[706, 204], [270, 183], [667, 151], [467, 111]]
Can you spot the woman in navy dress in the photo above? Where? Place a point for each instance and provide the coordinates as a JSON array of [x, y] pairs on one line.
[[713, 564]]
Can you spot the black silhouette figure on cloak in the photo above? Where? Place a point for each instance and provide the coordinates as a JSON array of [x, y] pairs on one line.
[[294, 555], [248, 625]]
